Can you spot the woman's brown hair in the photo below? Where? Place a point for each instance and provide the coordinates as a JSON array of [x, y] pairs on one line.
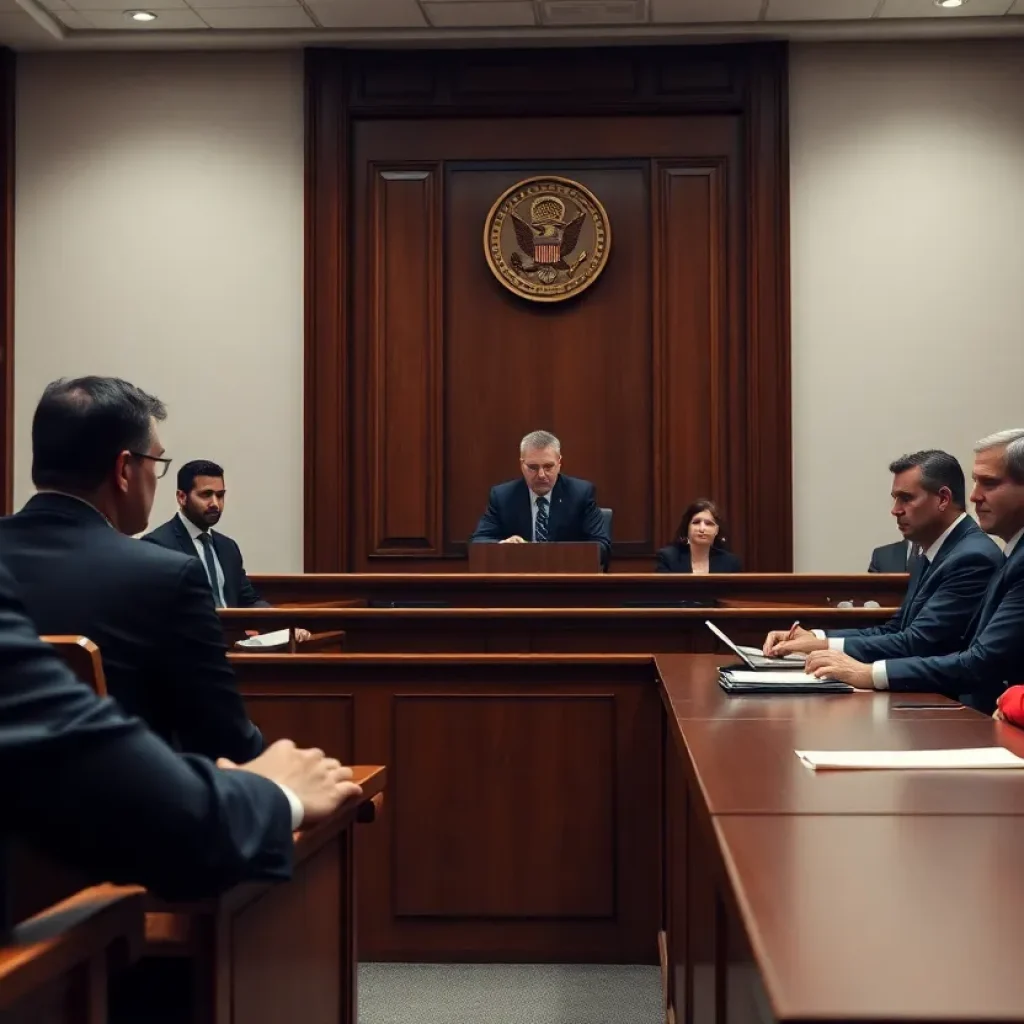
[[702, 505]]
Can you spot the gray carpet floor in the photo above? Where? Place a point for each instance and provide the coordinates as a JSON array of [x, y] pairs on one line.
[[508, 994]]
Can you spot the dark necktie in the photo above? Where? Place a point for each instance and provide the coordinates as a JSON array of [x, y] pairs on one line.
[[540, 528], [211, 568]]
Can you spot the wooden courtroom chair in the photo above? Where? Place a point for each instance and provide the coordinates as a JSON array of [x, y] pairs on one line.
[[55, 966], [82, 656]]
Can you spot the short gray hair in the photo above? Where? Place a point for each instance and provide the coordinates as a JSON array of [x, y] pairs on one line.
[[539, 439], [1013, 442]]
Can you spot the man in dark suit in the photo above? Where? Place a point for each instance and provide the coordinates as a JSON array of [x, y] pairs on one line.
[[543, 506], [201, 494], [96, 459], [949, 580], [895, 557], [991, 651], [98, 791]]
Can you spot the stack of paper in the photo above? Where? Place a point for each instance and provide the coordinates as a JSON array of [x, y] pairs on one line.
[[779, 677], [929, 760], [275, 639], [757, 653]]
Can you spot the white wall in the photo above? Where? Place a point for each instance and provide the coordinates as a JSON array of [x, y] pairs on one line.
[[907, 197], [159, 238]]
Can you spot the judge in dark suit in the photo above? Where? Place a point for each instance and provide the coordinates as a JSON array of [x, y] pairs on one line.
[[895, 557], [700, 543], [201, 494], [991, 651], [948, 581], [543, 506], [98, 791], [96, 459]]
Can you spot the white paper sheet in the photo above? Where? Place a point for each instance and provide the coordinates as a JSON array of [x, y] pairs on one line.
[[770, 677], [929, 760], [275, 639]]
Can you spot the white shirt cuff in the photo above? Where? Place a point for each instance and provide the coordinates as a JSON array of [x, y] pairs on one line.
[[819, 633], [298, 811], [879, 676], [835, 643]]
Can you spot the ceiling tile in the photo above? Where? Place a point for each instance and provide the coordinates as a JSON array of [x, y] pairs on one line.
[[167, 21], [73, 20], [676, 12], [927, 9], [256, 17], [22, 29], [367, 13], [209, 4], [820, 10], [127, 5], [486, 14], [53, 5]]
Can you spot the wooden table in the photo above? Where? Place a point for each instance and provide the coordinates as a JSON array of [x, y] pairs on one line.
[[272, 953], [844, 896], [55, 966]]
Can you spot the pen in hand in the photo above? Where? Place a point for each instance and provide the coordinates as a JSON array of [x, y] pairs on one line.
[[792, 630]]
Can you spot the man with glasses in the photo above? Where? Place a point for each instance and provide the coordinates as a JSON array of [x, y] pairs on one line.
[[96, 459]]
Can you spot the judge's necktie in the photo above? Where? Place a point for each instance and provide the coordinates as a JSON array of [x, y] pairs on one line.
[[211, 568], [540, 528]]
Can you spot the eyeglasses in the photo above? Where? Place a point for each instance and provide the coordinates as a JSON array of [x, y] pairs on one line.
[[162, 465]]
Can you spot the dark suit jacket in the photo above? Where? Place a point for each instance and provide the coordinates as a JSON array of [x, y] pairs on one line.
[[889, 558], [676, 558], [935, 612], [990, 654], [238, 591], [149, 610], [572, 516], [97, 790]]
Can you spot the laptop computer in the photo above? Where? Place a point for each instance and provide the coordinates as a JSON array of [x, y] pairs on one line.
[[754, 659]]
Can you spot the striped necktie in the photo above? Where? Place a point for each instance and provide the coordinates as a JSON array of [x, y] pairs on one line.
[[540, 528], [211, 568]]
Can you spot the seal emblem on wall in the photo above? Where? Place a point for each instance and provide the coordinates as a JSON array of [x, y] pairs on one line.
[[547, 238]]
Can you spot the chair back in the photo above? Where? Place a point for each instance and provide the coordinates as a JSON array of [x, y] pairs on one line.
[[606, 515], [82, 656]]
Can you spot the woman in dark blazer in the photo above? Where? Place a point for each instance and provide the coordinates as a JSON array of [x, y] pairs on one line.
[[700, 544]]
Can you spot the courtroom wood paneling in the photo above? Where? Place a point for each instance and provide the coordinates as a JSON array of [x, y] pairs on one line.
[[690, 302], [401, 325], [594, 591], [7, 139], [558, 809], [542, 630], [310, 719], [668, 380], [581, 369], [303, 978], [326, 432], [570, 779]]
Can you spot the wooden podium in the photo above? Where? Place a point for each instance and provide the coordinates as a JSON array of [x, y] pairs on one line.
[[582, 557]]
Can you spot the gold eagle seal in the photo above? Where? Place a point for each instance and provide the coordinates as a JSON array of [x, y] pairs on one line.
[[547, 238]]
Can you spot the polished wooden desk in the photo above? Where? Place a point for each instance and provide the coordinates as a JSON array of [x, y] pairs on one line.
[[542, 630], [55, 966], [271, 953], [598, 590], [871, 918], [786, 889], [546, 849]]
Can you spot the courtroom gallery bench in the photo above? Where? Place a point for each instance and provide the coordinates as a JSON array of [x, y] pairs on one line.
[[55, 966]]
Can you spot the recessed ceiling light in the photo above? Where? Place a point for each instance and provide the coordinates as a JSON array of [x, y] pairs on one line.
[[950, 3], [140, 15]]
